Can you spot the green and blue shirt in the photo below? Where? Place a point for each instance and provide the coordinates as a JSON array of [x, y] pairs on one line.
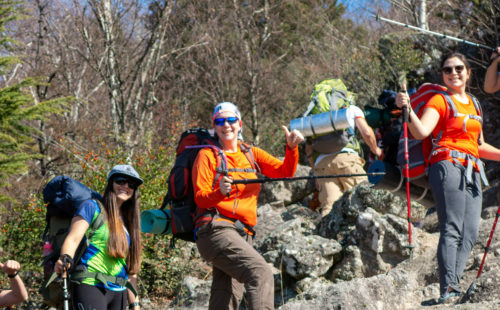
[[96, 257]]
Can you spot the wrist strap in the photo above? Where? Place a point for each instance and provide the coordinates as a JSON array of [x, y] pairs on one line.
[[13, 275], [67, 260], [134, 304]]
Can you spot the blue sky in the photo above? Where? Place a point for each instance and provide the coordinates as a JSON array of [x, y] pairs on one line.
[[362, 8]]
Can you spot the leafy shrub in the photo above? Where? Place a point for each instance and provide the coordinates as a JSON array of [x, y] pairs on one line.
[[163, 267]]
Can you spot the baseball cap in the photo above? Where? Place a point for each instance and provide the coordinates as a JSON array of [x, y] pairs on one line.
[[126, 170]]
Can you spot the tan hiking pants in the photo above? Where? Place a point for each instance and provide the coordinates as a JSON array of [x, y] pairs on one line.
[[237, 266], [332, 189]]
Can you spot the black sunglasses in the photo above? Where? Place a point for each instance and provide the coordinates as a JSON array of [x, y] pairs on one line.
[[221, 121], [449, 70], [122, 181]]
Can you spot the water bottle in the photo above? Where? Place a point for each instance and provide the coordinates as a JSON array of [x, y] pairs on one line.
[[48, 266]]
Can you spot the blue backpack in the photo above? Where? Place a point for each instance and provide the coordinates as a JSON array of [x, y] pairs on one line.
[[62, 196]]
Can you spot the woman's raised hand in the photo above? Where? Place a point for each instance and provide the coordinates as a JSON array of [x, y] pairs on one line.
[[293, 138]]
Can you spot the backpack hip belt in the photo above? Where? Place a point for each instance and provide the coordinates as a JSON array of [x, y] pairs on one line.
[[78, 276], [242, 228], [455, 155], [468, 172]]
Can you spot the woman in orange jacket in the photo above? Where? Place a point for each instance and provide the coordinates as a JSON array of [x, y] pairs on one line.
[[224, 233]]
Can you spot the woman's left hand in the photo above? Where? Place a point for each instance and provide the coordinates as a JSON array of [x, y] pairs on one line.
[[293, 138], [402, 100]]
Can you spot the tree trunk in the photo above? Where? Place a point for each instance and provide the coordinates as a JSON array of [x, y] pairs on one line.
[[422, 16]]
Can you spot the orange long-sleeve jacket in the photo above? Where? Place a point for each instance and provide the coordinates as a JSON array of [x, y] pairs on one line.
[[242, 201]]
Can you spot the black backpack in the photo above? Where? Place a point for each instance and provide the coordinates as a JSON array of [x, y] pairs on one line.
[[179, 200]]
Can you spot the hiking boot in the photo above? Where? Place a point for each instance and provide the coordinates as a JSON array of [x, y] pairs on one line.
[[449, 297]]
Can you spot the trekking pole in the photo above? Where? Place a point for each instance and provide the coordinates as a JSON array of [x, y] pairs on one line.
[[65, 284], [442, 35], [309, 177], [407, 168], [472, 287]]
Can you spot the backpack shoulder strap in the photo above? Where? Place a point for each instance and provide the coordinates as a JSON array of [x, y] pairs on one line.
[[477, 104], [97, 223], [94, 226], [479, 116], [247, 150], [451, 107], [220, 163]]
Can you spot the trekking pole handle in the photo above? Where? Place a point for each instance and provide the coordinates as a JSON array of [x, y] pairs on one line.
[[406, 108], [310, 177]]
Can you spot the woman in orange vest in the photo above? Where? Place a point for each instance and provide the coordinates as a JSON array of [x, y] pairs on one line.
[[224, 230], [455, 170]]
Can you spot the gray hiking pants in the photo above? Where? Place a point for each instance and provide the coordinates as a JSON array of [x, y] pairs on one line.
[[236, 266], [459, 209]]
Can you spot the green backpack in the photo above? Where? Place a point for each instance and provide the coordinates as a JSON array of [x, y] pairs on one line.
[[329, 95]]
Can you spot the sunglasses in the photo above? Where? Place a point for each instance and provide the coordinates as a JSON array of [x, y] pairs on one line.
[[449, 70], [221, 121], [122, 181]]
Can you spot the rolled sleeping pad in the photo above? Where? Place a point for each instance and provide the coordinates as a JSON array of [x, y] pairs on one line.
[[156, 221], [377, 118], [321, 123], [394, 182]]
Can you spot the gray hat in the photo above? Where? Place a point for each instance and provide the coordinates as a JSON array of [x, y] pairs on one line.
[[126, 170]]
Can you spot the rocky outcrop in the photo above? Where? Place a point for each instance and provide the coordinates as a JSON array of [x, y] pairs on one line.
[[358, 256]]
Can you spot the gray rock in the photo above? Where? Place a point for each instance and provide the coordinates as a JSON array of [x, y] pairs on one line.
[[357, 257], [288, 192], [194, 294]]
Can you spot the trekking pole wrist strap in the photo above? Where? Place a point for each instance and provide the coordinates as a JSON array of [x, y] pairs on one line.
[[66, 259], [134, 304]]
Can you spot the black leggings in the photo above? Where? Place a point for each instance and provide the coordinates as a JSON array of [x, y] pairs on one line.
[[88, 297]]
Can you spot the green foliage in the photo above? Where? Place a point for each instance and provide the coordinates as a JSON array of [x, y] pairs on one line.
[[163, 267], [20, 231], [399, 57], [17, 109]]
